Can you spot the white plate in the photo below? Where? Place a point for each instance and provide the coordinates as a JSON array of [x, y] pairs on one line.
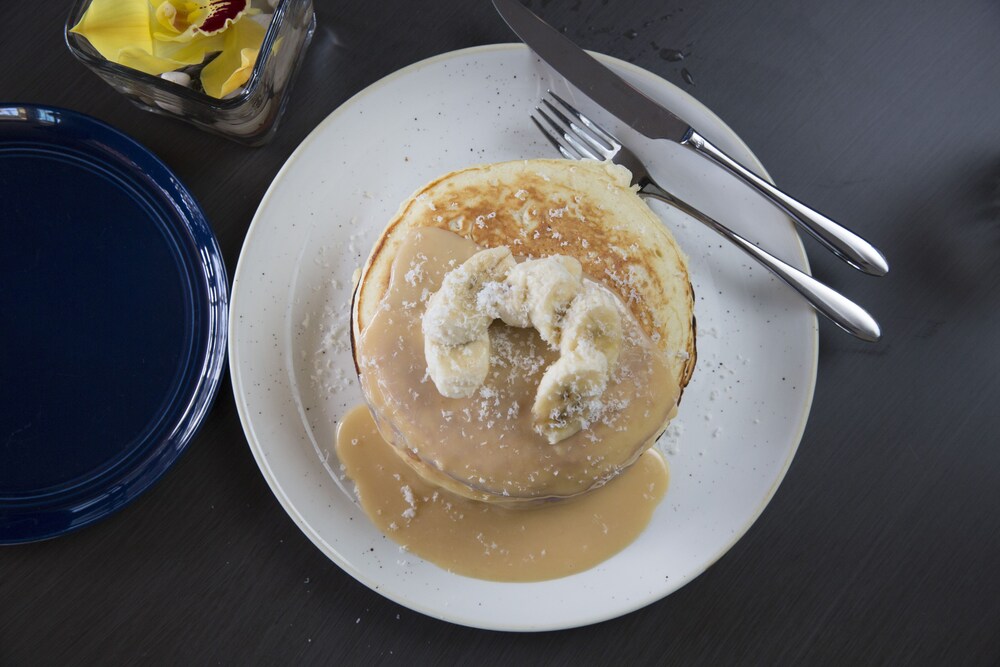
[[742, 415]]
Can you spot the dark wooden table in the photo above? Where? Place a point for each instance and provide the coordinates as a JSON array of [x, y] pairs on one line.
[[882, 545]]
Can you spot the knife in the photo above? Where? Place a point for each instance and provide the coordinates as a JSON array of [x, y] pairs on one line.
[[654, 121]]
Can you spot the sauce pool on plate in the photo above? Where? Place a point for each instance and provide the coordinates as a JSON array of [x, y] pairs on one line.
[[487, 541]]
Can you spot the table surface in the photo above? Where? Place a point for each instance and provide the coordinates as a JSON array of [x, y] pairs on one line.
[[882, 544]]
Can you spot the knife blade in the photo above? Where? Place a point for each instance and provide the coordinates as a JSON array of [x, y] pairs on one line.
[[598, 82], [656, 122]]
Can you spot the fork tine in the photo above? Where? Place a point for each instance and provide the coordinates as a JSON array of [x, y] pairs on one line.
[[555, 142], [591, 125], [567, 137], [579, 132]]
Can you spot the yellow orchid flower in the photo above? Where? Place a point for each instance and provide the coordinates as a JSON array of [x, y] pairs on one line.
[[157, 36], [232, 68]]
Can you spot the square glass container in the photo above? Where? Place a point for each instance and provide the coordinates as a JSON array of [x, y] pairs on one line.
[[250, 116]]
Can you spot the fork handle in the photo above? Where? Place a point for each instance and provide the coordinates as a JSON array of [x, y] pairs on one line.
[[844, 243], [846, 314]]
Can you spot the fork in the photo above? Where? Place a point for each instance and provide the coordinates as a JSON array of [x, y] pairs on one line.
[[577, 137]]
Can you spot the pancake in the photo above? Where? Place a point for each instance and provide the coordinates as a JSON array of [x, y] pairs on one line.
[[583, 209]]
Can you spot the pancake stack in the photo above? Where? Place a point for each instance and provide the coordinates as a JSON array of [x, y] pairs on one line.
[[582, 209]]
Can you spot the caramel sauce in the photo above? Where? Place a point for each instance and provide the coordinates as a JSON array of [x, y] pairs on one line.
[[487, 541], [485, 447]]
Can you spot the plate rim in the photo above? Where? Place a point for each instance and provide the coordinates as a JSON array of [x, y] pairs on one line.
[[133, 477], [278, 491]]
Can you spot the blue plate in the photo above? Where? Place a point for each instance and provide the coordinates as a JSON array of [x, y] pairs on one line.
[[113, 306]]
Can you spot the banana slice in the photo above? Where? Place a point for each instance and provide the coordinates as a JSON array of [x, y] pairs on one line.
[[452, 316], [458, 370], [593, 320], [569, 394], [540, 292]]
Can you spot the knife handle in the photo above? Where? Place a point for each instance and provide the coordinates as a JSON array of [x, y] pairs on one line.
[[841, 241], [843, 312]]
